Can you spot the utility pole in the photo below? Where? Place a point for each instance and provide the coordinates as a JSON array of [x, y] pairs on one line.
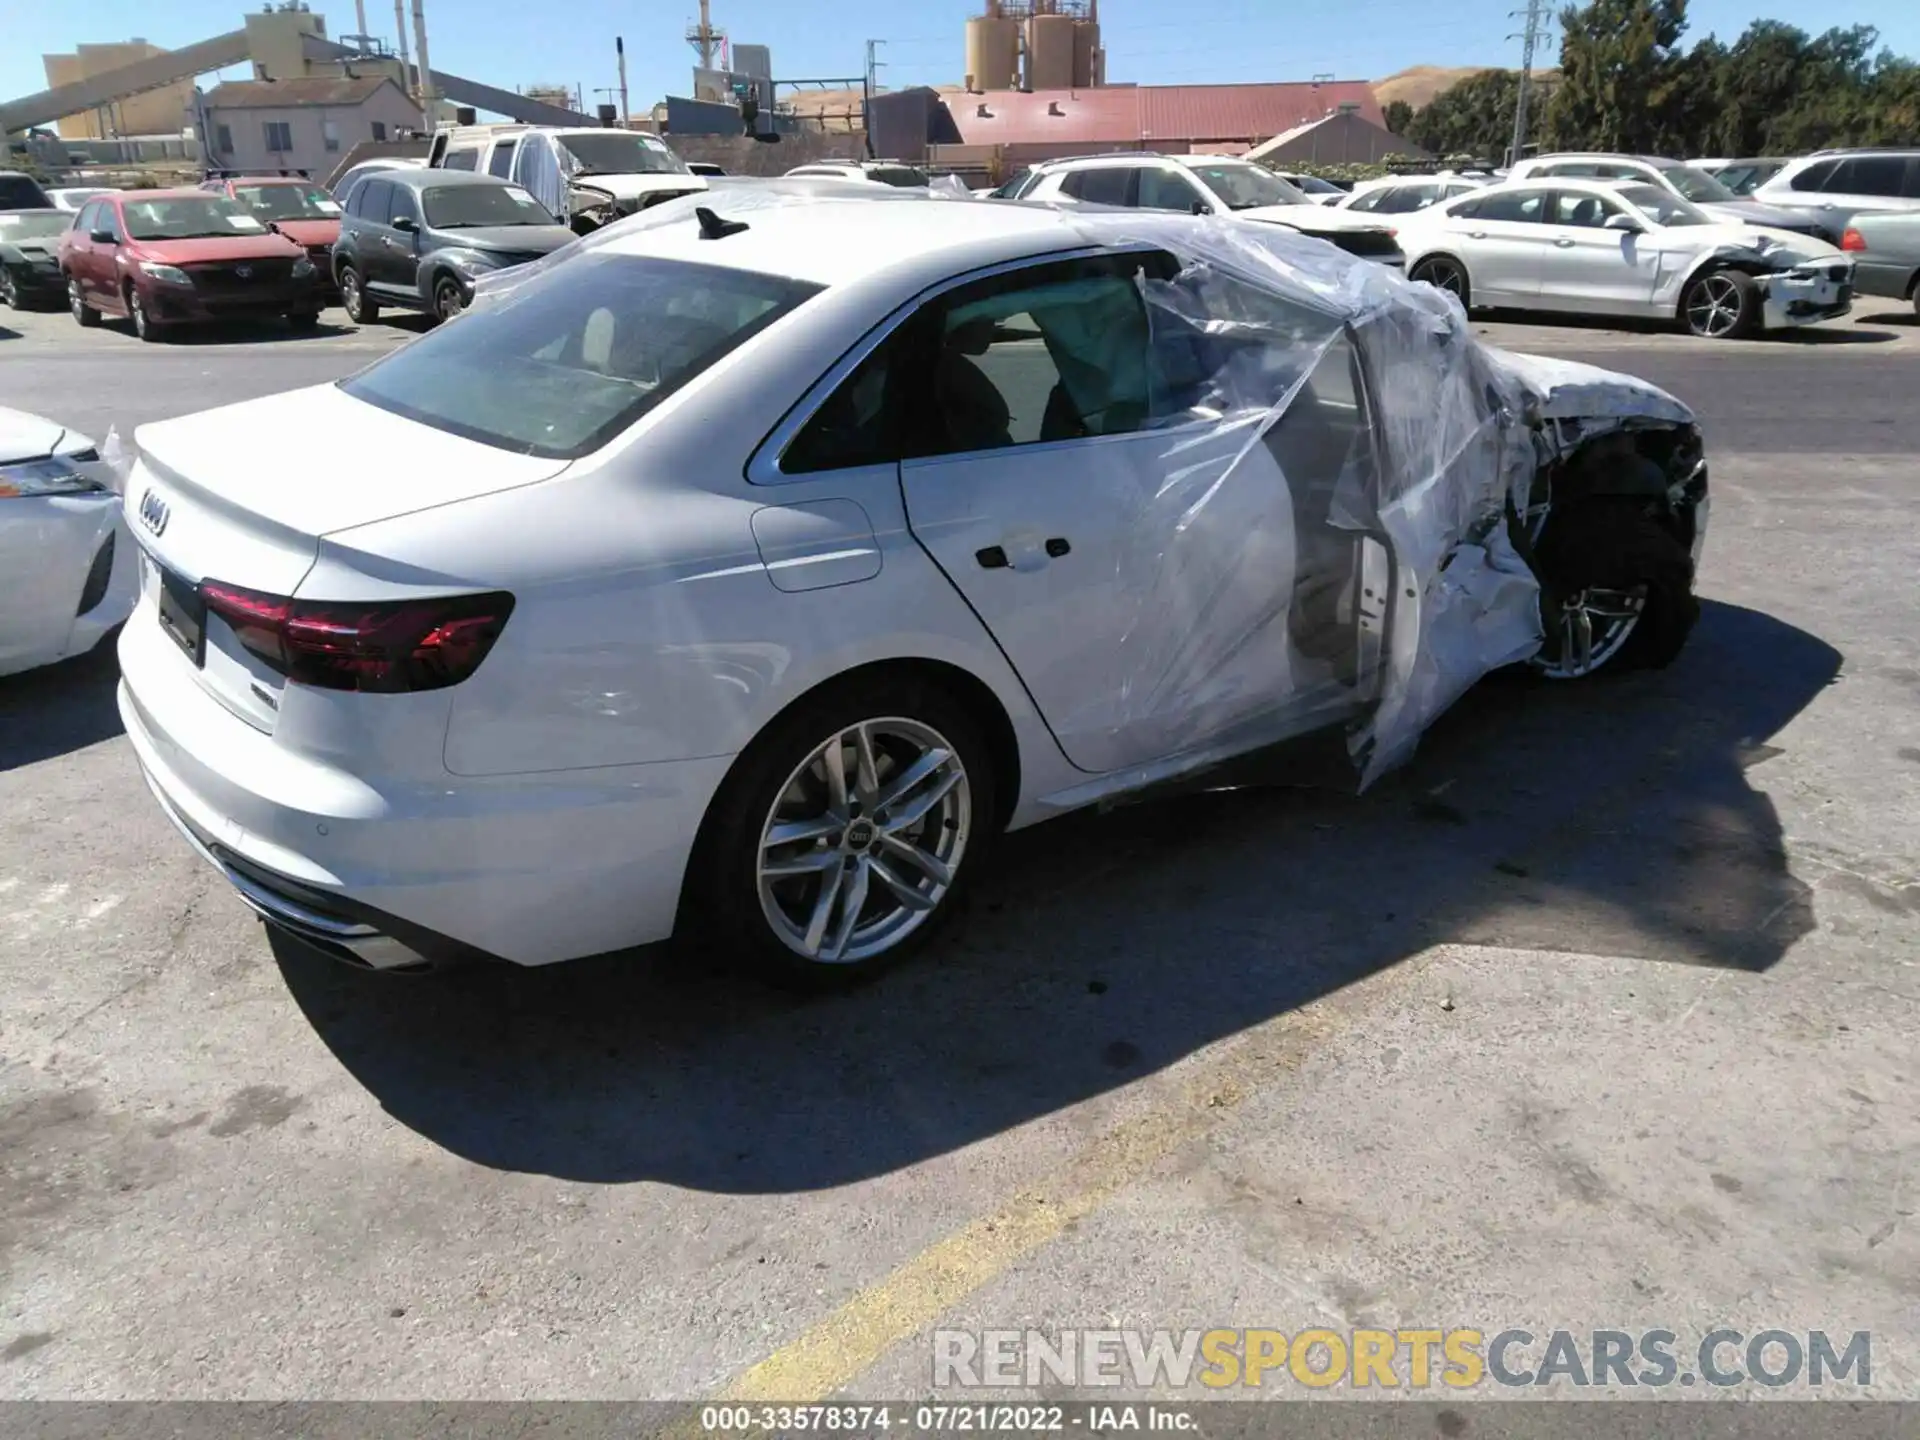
[[1535, 15], [874, 65], [870, 86]]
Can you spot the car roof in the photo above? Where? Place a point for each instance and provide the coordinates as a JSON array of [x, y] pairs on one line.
[[169, 192], [421, 179], [37, 210], [837, 239]]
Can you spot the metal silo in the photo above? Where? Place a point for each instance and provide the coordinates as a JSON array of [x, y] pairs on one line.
[[993, 52], [1086, 45], [1050, 52]]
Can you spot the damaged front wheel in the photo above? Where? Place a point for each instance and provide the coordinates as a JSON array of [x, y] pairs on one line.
[[1723, 305], [1616, 591]]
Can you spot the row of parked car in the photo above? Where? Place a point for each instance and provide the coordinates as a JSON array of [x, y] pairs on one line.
[[1583, 234]]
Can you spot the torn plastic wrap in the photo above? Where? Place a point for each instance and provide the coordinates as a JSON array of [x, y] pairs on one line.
[[1320, 537]]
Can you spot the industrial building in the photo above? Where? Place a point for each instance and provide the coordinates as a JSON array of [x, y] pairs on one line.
[[306, 124]]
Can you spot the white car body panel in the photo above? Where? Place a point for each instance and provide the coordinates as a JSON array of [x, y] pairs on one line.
[[48, 544], [675, 592]]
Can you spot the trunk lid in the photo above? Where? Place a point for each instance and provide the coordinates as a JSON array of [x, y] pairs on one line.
[[243, 494]]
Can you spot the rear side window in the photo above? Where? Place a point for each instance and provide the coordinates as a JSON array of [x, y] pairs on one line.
[[460, 160], [1110, 185], [88, 219], [1167, 190], [1520, 206], [572, 358], [1815, 176], [501, 161], [1883, 175]]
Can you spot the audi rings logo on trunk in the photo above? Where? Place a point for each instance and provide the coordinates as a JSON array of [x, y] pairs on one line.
[[153, 513]]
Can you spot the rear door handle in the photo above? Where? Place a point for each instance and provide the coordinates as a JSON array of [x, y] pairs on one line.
[[1564, 243], [1476, 234]]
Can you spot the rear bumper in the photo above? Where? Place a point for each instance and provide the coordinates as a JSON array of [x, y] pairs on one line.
[[531, 869], [1892, 280]]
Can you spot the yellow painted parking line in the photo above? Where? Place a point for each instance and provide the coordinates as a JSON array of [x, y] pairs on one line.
[[834, 1352]]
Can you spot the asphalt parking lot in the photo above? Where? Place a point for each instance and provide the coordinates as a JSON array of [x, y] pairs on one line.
[[1602, 1013]]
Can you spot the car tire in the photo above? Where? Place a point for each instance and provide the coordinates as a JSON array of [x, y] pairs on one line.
[[449, 300], [353, 298], [1443, 272], [1721, 305], [1611, 560], [144, 325], [9, 290], [733, 904], [84, 314], [304, 319]]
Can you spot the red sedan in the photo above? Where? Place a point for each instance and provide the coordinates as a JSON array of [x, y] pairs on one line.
[[299, 209], [171, 257]]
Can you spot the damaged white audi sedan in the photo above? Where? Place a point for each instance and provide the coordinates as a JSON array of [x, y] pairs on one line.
[[1594, 247], [746, 574]]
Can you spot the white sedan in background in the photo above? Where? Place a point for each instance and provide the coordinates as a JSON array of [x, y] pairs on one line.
[[1594, 248], [66, 571], [1403, 194]]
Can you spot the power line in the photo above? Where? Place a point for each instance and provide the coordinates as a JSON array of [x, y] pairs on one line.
[[1536, 14]]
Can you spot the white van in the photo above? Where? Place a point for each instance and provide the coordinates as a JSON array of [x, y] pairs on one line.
[[587, 176]]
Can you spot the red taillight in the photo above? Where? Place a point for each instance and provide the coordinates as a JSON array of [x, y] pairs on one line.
[[383, 648], [1852, 240]]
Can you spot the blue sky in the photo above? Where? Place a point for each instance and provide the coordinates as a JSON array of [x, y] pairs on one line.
[[513, 44]]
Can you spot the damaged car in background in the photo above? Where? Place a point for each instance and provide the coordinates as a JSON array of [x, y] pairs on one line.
[[1595, 247], [743, 575], [589, 177]]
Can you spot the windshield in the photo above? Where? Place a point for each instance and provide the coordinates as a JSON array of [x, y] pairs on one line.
[[1745, 179], [1662, 207], [454, 207], [1314, 185], [619, 152], [288, 202], [32, 225], [19, 192], [188, 217], [568, 360], [904, 176], [1697, 185], [1244, 186]]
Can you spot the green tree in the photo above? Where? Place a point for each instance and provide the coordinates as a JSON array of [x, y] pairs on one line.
[[1397, 114], [1618, 73], [1473, 117]]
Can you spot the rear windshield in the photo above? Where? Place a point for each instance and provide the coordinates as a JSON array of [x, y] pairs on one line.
[[570, 359], [21, 192], [453, 207], [904, 176], [188, 217], [283, 200]]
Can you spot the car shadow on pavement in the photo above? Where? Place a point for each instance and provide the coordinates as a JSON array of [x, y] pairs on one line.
[[60, 708], [1906, 319], [1612, 817], [242, 332]]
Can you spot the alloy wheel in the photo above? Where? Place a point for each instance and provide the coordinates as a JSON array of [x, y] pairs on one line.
[[448, 302], [76, 303], [350, 294], [1445, 275], [864, 840], [1594, 624], [9, 291], [1714, 309]]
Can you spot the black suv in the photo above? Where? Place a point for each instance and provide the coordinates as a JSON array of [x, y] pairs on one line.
[[418, 239]]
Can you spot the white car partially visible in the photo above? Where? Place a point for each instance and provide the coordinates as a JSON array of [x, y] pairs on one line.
[[1590, 247], [1404, 194], [66, 570]]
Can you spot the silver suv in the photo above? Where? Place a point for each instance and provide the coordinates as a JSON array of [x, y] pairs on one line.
[[1834, 184], [1207, 185]]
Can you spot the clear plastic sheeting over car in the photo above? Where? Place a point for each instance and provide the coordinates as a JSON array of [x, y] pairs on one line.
[[1320, 473]]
